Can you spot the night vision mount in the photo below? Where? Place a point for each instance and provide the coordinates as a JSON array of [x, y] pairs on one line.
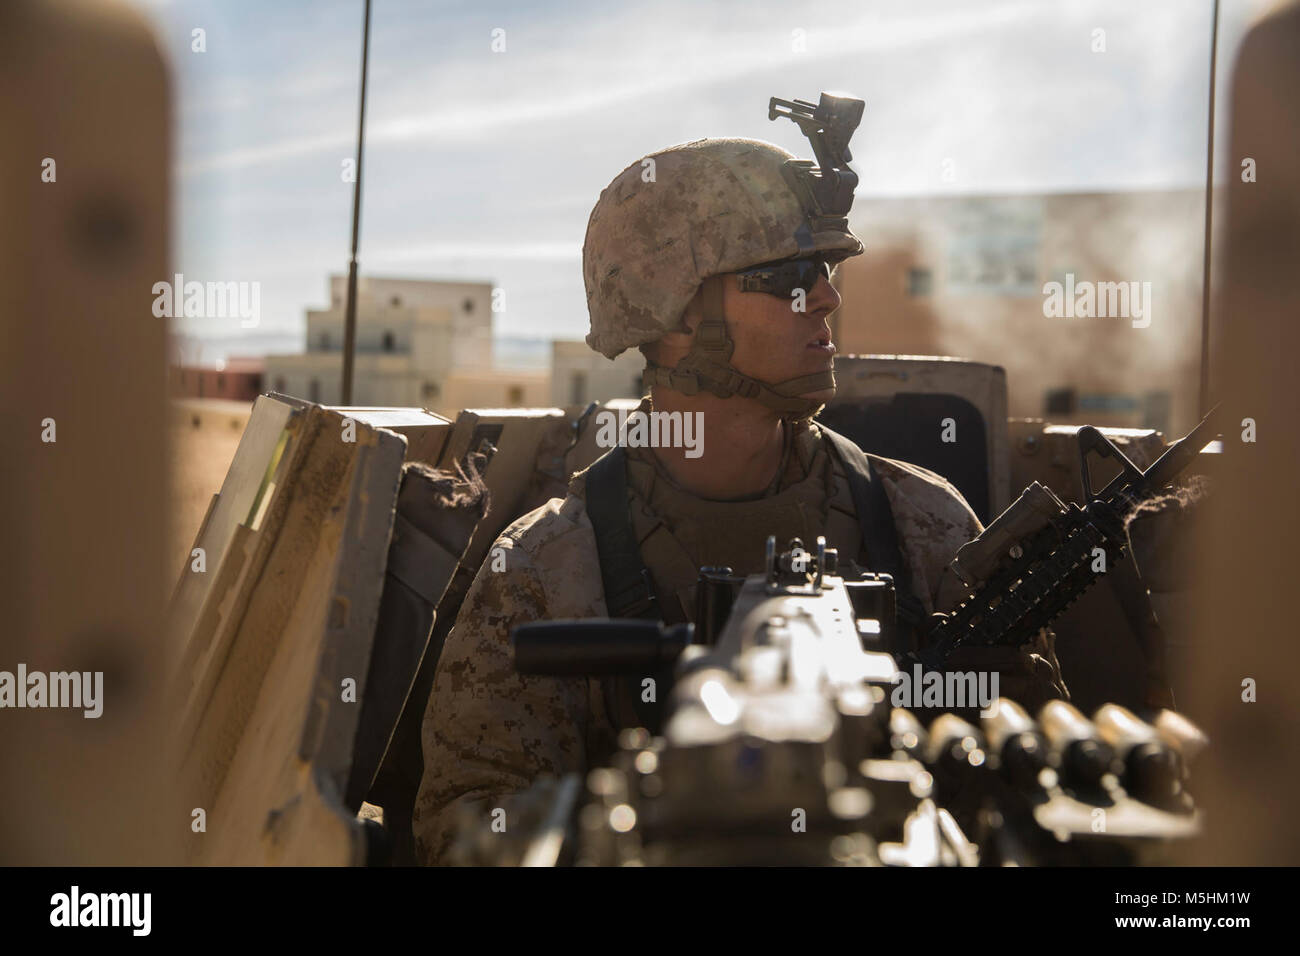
[[827, 188]]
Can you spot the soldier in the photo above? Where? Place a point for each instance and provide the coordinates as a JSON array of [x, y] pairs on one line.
[[701, 256]]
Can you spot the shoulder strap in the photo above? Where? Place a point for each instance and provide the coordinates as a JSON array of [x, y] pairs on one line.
[[876, 521], [628, 589]]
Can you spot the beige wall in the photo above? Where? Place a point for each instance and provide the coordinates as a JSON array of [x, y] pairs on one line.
[[467, 306], [580, 375], [494, 389], [430, 328], [376, 379]]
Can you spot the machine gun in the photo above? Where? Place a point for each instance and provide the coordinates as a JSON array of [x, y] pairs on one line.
[[783, 744], [1041, 554]]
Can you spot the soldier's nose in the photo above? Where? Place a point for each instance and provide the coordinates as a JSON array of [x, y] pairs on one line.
[[824, 297]]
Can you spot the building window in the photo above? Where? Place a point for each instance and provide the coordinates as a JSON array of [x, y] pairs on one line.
[[515, 395], [1060, 401], [388, 341], [221, 384], [395, 301], [313, 393], [325, 341], [578, 388], [919, 282], [468, 305]]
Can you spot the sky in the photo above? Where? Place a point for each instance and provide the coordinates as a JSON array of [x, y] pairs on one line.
[[484, 164]]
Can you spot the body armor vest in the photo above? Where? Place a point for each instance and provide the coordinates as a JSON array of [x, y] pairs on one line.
[[842, 499]]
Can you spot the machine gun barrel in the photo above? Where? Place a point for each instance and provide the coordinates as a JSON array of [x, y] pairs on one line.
[[597, 648], [1181, 454]]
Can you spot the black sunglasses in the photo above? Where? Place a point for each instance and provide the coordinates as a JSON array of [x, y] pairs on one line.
[[782, 278]]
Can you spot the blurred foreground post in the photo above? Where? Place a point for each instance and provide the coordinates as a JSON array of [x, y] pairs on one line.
[[1246, 661], [84, 105]]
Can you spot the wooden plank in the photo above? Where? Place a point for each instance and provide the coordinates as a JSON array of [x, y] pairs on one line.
[[239, 490], [271, 751]]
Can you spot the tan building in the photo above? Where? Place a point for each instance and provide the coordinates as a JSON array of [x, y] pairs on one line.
[[965, 276], [580, 375], [411, 334], [494, 388]]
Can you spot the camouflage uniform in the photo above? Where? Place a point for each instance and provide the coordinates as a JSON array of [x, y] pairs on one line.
[[489, 732], [661, 232]]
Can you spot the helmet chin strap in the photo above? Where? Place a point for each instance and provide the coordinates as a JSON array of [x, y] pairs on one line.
[[706, 367]]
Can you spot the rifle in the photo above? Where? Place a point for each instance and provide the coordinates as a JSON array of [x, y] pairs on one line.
[[1041, 554], [784, 744]]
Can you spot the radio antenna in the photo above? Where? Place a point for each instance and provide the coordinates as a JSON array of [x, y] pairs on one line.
[[350, 312]]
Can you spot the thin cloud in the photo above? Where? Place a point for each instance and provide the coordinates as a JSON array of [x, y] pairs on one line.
[[716, 66]]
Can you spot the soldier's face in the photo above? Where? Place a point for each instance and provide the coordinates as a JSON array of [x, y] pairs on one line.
[[775, 341]]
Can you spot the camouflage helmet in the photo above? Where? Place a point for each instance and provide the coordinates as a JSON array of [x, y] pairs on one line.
[[678, 216]]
